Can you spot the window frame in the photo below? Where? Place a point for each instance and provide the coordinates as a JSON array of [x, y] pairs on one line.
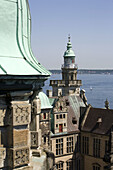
[[70, 144], [59, 146]]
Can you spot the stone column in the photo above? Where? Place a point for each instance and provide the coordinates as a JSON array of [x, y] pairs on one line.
[[35, 130], [15, 117]]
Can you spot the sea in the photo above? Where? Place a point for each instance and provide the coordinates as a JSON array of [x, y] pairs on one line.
[[98, 87]]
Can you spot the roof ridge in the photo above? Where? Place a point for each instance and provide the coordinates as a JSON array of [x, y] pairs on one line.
[[86, 114]]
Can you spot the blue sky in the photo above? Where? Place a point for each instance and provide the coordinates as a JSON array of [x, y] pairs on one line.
[[90, 24]]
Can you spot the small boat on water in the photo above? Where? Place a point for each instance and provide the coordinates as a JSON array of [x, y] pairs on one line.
[[91, 88]]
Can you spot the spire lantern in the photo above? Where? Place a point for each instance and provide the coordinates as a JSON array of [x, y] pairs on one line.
[[69, 55]]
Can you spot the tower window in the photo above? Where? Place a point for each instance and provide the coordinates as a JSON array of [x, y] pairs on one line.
[[44, 115]]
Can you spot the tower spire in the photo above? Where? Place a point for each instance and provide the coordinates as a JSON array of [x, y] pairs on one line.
[[69, 37]]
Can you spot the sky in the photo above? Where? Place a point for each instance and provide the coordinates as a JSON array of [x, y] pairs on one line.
[[90, 24]]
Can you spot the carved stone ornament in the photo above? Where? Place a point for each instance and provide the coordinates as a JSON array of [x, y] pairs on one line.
[[34, 139], [18, 157], [21, 114], [2, 116], [60, 105]]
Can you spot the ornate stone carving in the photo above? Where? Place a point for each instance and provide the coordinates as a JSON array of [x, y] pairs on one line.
[[2, 157], [2, 116], [34, 139], [45, 127], [60, 105], [21, 114], [18, 157]]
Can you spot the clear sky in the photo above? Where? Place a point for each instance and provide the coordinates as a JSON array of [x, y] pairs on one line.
[[90, 24]]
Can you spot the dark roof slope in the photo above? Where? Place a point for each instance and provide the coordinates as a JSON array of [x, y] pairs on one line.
[[70, 126], [96, 115]]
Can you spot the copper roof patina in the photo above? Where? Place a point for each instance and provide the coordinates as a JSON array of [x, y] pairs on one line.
[[16, 57], [45, 104]]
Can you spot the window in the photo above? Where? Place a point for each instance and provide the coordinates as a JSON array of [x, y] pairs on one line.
[[56, 125], [64, 116], [57, 116], [67, 102], [106, 146], [69, 165], [85, 145], [69, 144], [72, 77], [74, 120], [44, 115], [78, 164], [60, 127], [78, 146], [96, 167], [59, 146], [64, 124], [44, 139], [59, 166], [96, 147], [61, 116]]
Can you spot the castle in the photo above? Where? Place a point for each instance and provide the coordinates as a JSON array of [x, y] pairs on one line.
[[57, 131]]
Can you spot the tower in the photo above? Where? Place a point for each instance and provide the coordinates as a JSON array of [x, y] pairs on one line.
[[69, 85]]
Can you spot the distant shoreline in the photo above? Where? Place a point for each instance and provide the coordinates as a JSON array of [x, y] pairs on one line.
[[87, 71]]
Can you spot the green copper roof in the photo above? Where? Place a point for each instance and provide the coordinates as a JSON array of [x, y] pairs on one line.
[[45, 104], [69, 52], [16, 57]]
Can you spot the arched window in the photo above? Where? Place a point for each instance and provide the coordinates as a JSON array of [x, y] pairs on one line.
[[59, 165], [96, 166]]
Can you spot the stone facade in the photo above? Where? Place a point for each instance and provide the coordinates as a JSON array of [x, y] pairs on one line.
[[66, 102], [21, 79], [94, 147], [15, 134]]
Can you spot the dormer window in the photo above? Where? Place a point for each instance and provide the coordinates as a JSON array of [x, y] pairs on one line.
[[67, 102], [74, 120]]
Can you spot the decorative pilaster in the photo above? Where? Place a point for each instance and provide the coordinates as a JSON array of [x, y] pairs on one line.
[[35, 130], [18, 144]]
